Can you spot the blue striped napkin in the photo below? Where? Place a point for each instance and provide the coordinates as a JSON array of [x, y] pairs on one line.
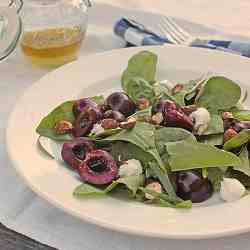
[[136, 34]]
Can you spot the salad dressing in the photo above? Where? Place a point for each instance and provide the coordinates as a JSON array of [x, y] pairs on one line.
[[52, 47]]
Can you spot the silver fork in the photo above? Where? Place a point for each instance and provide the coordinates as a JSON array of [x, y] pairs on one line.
[[179, 36], [176, 34]]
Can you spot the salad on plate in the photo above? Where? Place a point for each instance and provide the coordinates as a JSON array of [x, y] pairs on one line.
[[164, 143]]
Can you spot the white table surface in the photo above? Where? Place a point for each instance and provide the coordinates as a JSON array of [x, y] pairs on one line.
[[22, 210]]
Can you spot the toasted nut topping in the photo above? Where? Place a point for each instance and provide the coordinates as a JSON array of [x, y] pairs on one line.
[[229, 134], [154, 186], [109, 123], [129, 124], [63, 127], [157, 118], [227, 115], [177, 88], [143, 103]]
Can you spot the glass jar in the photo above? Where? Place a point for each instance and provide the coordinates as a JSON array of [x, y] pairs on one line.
[[52, 30]]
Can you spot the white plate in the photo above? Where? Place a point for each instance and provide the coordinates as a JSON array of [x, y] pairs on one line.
[[100, 74]]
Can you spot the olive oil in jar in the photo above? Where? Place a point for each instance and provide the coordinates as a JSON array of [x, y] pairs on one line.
[[52, 47]]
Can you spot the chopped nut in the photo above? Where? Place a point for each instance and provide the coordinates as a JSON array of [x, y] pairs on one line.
[[154, 186], [177, 88], [227, 115], [143, 103], [109, 123], [229, 134], [157, 118], [129, 124], [63, 127]]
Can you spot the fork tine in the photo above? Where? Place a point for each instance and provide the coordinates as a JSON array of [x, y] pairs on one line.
[[170, 34], [174, 31], [179, 28], [166, 34]]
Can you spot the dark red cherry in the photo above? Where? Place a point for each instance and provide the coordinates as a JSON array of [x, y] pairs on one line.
[[74, 151], [98, 168], [191, 186], [121, 102]]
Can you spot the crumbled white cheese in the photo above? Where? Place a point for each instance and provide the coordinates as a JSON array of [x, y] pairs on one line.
[[231, 189], [97, 129], [201, 118], [131, 167], [154, 186]]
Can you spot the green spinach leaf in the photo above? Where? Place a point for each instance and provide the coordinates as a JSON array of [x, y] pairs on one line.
[[216, 140], [204, 172], [105, 133], [219, 93], [88, 190], [215, 175], [161, 90], [242, 115], [143, 136], [245, 166], [187, 89], [123, 151], [131, 182], [162, 203], [138, 88], [141, 65], [244, 179], [142, 115], [164, 135], [184, 204], [186, 155], [197, 84], [238, 140], [215, 126], [164, 200], [62, 112]]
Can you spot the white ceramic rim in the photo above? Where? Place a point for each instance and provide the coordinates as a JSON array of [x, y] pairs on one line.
[[216, 217]]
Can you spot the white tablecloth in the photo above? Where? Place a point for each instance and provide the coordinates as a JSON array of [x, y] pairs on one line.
[[22, 210]]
